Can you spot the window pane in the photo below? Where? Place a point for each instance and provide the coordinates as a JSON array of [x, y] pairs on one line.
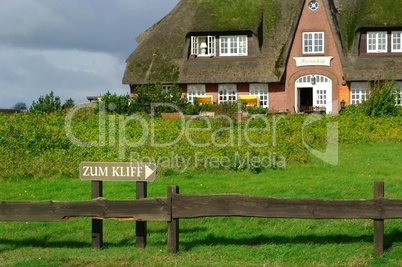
[[396, 41], [377, 42], [233, 45], [227, 93], [313, 42], [224, 45], [194, 90]]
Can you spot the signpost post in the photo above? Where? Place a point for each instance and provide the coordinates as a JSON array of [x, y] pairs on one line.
[[97, 172]]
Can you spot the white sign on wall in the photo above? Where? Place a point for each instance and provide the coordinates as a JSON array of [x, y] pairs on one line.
[[313, 61]]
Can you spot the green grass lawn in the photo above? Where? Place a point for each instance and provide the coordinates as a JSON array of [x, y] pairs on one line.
[[220, 241]]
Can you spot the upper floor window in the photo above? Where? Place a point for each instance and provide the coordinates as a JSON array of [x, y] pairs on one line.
[[233, 45], [313, 42], [396, 42], [203, 45], [376, 42]]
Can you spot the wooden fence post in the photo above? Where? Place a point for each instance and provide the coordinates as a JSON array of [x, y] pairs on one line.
[[141, 226], [378, 224], [97, 225], [173, 224]]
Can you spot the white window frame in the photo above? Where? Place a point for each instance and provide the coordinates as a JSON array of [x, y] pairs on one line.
[[261, 91], [194, 90], [377, 42], [396, 43], [227, 93], [398, 93], [313, 42], [233, 45], [197, 43], [321, 97], [359, 92]]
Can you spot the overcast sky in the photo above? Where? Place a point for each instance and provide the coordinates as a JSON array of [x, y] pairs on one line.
[[75, 48]]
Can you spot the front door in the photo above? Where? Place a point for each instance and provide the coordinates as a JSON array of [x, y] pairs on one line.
[[305, 98], [313, 92]]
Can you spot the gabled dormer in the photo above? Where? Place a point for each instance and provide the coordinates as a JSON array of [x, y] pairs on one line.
[[220, 44], [376, 42]]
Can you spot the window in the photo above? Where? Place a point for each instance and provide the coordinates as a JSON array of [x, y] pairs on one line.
[[376, 42], [260, 90], [359, 92], [194, 90], [203, 45], [233, 45], [398, 93], [396, 42], [167, 89], [313, 42], [227, 93], [321, 97]]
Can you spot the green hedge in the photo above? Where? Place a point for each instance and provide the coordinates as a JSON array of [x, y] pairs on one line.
[[36, 145]]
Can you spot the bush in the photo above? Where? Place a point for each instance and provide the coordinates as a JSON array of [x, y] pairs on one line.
[[382, 100], [48, 103], [114, 103], [68, 104], [20, 106], [222, 109], [257, 110]]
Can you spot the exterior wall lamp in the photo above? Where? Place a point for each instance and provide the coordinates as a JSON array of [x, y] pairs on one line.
[[313, 79], [343, 104]]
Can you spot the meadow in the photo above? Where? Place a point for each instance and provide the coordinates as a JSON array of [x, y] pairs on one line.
[[39, 162]]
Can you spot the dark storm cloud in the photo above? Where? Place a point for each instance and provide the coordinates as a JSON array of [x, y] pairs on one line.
[[75, 48], [93, 25]]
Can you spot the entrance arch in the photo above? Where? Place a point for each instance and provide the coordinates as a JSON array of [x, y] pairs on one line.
[[312, 92]]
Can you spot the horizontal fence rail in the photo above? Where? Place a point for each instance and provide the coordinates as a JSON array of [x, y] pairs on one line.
[[195, 206], [150, 209], [181, 206]]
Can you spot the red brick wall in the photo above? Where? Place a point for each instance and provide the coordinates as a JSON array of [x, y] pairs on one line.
[[278, 100], [243, 89]]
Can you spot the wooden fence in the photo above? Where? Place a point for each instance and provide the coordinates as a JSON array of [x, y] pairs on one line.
[[180, 206]]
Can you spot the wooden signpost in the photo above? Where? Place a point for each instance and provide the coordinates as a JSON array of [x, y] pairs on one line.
[[97, 172]]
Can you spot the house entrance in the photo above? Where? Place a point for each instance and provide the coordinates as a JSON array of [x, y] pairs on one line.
[[313, 92], [305, 98]]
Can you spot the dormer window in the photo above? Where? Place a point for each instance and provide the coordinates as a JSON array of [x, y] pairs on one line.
[[396, 41], [203, 45], [376, 42], [233, 45]]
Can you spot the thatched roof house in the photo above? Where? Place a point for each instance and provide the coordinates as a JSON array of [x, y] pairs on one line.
[[283, 45]]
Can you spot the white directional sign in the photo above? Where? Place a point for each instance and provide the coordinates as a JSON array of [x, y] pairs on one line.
[[118, 171]]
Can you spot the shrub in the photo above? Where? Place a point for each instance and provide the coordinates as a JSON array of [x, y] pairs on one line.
[[68, 104], [382, 100], [114, 103], [222, 109], [48, 103], [20, 106], [147, 95], [257, 110]]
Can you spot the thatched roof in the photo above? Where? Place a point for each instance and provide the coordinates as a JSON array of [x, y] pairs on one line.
[[353, 16], [162, 51], [161, 55]]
